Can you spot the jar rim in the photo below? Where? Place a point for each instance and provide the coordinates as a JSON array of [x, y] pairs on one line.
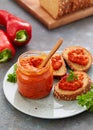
[[34, 69]]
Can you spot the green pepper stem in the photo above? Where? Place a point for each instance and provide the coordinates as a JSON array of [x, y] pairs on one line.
[[5, 55], [21, 36]]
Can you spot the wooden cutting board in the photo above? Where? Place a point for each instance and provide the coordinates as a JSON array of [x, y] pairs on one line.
[[33, 7]]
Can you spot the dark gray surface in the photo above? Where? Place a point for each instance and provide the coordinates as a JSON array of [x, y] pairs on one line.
[[77, 33]]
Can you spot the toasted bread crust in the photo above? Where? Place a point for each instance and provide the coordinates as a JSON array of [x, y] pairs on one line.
[[74, 66], [62, 70], [72, 95]]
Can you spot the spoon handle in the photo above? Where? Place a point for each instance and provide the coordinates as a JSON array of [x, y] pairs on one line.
[[57, 45]]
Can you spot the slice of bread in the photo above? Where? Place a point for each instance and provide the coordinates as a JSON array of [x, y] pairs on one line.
[[62, 70], [59, 8], [76, 66], [70, 94]]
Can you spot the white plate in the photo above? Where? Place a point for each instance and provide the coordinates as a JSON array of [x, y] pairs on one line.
[[47, 108]]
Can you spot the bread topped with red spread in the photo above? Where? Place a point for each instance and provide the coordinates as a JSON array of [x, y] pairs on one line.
[[58, 65], [72, 85], [77, 58]]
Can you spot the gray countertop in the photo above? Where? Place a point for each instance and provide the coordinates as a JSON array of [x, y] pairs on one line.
[[77, 33]]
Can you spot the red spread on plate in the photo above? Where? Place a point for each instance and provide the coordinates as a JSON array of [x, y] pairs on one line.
[[78, 56], [56, 62], [71, 85]]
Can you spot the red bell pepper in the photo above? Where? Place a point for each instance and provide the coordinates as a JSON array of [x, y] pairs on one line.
[[18, 31], [7, 50]]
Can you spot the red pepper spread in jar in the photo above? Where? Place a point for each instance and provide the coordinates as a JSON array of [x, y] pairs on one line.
[[78, 56], [34, 82], [72, 85], [56, 62], [31, 62]]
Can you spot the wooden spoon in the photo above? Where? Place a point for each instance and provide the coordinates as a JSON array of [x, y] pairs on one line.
[[57, 45]]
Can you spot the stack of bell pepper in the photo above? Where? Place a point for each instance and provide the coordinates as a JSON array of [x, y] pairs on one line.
[[17, 32]]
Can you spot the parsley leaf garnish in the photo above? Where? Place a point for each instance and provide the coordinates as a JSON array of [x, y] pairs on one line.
[[71, 77], [86, 100], [12, 76]]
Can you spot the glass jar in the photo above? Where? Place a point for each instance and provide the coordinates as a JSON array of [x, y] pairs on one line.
[[33, 82]]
